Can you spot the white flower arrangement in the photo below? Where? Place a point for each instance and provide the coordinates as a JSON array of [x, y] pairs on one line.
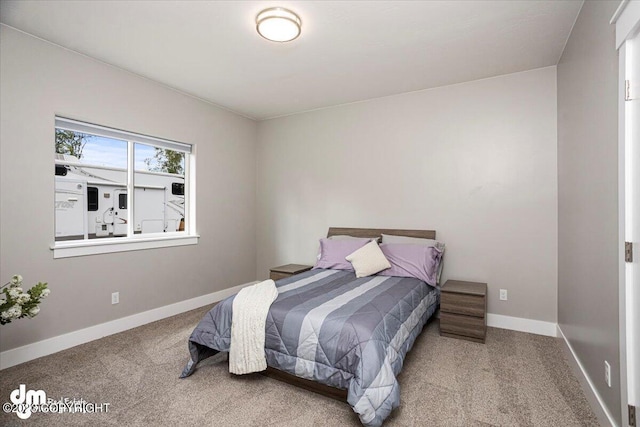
[[14, 292], [17, 303], [23, 298]]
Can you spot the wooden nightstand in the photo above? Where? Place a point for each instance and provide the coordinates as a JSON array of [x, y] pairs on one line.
[[283, 271], [463, 310]]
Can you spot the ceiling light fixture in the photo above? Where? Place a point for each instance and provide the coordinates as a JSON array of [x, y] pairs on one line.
[[278, 24]]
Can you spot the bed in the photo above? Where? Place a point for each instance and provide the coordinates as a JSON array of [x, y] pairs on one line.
[[334, 333]]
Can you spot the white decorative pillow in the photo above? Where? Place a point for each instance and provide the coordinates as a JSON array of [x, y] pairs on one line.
[[368, 260]]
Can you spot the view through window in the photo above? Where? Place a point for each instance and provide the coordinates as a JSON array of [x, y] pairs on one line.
[[116, 184]]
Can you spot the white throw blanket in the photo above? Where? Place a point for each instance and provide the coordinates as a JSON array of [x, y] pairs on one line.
[[250, 308]]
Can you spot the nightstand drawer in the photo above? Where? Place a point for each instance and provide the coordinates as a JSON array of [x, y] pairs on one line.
[[466, 326], [469, 305], [277, 276]]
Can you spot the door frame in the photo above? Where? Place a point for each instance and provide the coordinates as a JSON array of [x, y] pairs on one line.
[[627, 22]]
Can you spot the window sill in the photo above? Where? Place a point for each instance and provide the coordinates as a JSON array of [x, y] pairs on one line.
[[106, 246]]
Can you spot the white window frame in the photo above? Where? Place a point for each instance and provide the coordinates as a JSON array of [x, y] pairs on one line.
[[134, 242]]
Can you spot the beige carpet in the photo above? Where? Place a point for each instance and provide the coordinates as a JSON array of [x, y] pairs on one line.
[[515, 379]]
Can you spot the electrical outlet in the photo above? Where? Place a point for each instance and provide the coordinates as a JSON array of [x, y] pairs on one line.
[[607, 373], [115, 298], [503, 294]]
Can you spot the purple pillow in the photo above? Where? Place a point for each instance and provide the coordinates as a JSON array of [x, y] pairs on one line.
[[409, 260], [333, 253]]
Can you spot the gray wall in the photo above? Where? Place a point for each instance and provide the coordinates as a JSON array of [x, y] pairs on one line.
[[474, 161], [38, 81], [588, 196]]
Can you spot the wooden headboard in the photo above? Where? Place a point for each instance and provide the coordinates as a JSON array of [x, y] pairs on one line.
[[377, 232]]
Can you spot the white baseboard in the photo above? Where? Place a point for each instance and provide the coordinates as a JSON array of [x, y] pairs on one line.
[[597, 404], [521, 324], [28, 352]]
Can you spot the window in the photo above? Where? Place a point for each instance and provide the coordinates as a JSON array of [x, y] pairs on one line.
[[117, 190], [92, 199], [122, 201], [177, 188]]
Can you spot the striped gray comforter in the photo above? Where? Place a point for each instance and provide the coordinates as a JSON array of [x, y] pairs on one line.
[[336, 329]]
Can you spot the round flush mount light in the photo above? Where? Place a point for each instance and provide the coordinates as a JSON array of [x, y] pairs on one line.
[[278, 24]]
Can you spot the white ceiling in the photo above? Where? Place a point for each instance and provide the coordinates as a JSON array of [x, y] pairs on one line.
[[348, 51]]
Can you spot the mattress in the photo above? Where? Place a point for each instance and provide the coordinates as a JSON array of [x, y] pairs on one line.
[[331, 327]]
